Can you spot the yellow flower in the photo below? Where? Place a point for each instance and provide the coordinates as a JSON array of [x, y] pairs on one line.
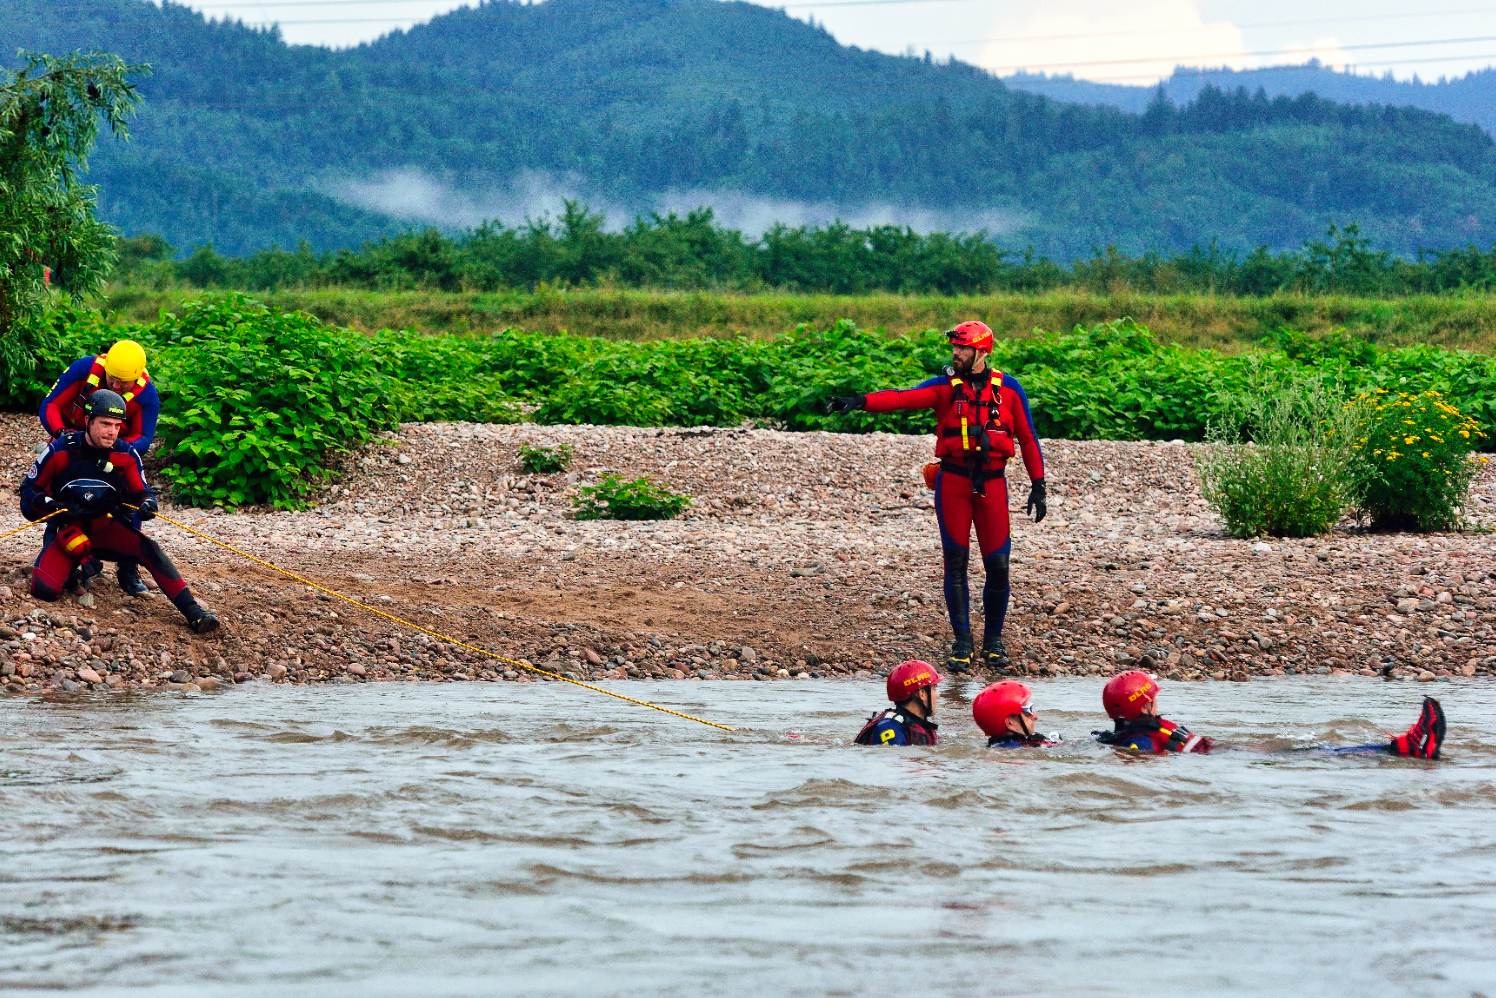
[[1425, 454], [1465, 434]]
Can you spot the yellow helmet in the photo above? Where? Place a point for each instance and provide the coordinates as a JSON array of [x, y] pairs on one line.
[[125, 360]]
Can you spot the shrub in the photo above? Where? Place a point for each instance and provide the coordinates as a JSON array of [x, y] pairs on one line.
[[1278, 458], [1413, 465], [260, 399], [538, 460], [614, 499]]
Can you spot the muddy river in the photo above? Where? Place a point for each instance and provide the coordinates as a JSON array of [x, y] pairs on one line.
[[494, 839]]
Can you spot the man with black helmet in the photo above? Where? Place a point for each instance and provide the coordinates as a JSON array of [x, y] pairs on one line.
[[85, 484], [981, 420]]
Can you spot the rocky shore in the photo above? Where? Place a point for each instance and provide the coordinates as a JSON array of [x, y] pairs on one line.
[[804, 554]]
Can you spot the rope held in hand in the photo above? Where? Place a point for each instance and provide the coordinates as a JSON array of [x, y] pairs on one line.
[[427, 631]]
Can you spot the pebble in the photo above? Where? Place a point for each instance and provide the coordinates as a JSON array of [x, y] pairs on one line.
[[88, 675]]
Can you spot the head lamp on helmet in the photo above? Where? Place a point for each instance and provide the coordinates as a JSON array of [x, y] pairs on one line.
[[909, 678], [125, 361], [105, 403], [1127, 696], [977, 335]]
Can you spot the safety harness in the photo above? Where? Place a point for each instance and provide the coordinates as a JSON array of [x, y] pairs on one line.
[[1166, 735], [917, 732], [974, 409], [94, 380]]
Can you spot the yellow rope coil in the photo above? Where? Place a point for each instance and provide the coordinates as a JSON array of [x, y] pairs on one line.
[[427, 631]]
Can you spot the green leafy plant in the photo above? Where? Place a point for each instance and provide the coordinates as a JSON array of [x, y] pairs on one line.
[[1278, 458], [612, 498], [49, 121], [1413, 464], [538, 460]]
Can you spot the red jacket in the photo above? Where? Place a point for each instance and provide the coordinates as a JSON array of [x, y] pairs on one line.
[[991, 405]]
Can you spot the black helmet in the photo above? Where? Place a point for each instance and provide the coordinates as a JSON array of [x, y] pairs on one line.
[[105, 403]]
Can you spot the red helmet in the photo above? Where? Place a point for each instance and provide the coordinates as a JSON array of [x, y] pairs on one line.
[[971, 334], [909, 678], [1127, 694], [998, 702]]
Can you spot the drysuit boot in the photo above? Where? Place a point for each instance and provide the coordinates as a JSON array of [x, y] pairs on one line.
[[129, 579], [1425, 736], [199, 621], [994, 653], [960, 656]]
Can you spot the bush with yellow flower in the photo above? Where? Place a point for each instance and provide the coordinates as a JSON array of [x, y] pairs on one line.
[[1413, 460]]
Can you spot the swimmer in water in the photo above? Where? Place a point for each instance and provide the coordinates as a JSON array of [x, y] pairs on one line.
[[910, 721], [1131, 701], [1005, 713]]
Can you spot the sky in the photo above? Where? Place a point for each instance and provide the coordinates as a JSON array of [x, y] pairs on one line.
[[1116, 41]]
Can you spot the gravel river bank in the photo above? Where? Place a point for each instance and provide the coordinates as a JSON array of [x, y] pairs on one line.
[[805, 554]]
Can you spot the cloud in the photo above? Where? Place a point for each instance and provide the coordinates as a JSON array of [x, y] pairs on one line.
[[1106, 41], [414, 196]]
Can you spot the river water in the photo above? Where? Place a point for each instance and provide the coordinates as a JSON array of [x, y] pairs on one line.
[[482, 839]]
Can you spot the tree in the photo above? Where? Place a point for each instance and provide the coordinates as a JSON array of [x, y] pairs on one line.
[[49, 229]]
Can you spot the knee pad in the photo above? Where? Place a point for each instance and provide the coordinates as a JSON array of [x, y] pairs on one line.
[[43, 590], [956, 558], [996, 565]]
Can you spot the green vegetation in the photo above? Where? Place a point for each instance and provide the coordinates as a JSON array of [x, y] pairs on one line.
[[538, 460], [632, 101], [1414, 465], [256, 400], [1220, 322], [694, 253], [49, 121], [1281, 458], [641, 499]]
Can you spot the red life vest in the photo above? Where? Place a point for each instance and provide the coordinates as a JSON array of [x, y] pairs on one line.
[[77, 416], [974, 425]]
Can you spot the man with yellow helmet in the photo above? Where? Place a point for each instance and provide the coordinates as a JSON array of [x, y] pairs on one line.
[[121, 370]]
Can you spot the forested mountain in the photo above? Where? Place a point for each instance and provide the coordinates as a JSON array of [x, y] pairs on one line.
[[245, 141], [1470, 98]]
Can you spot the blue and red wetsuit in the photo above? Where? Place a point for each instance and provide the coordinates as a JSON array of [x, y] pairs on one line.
[[1153, 734], [978, 420], [894, 727], [62, 409], [92, 482]]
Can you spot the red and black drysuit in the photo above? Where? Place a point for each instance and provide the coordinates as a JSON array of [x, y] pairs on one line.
[[91, 483], [978, 419]]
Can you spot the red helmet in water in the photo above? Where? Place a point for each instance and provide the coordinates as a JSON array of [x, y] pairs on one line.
[[998, 702], [971, 334], [1127, 694], [909, 678]]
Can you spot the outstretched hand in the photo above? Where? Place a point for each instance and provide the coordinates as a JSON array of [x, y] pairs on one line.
[[844, 403], [1037, 505]]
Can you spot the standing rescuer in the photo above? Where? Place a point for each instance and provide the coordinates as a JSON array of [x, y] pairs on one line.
[[910, 721], [122, 371], [981, 420], [85, 481]]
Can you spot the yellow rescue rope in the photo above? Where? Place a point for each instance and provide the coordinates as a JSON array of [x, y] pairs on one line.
[[28, 526], [427, 631]]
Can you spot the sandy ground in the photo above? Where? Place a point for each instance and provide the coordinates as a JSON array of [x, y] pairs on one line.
[[804, 553]]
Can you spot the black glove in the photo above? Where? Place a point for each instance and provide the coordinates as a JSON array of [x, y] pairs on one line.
[[148, 508], [849, 403], [1037, 504], [44, 506]]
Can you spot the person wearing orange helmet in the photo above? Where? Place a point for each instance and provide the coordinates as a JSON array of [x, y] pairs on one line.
[[910, 721], [1131, 701], [1005, 713], [982, 419]]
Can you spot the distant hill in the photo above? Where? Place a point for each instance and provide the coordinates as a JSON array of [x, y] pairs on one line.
[[1470, 98], [635, 104]]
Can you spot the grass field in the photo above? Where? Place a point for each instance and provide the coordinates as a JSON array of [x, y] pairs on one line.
[[1225, 323]]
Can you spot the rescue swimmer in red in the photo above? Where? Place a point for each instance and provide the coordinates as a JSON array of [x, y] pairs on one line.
[[982, 420], [910, 721], [90, 485], [1131, 701]]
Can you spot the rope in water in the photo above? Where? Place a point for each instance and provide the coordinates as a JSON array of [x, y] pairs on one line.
[[427, 631]]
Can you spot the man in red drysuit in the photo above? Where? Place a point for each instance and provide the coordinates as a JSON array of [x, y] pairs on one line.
[[981, 420], [89, 484]]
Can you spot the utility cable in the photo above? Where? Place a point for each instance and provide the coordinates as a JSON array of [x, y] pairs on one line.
[[426, 630]]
